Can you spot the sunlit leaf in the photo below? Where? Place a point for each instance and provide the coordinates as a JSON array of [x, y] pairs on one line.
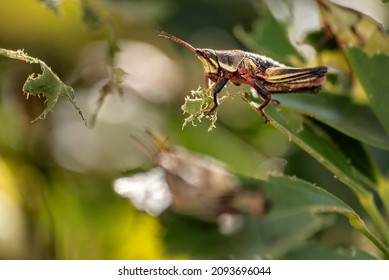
[[354, 29]]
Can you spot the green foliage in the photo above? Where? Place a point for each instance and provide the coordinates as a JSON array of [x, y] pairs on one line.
[[342, 113], [297, 211], [46, 84], [51, 88]]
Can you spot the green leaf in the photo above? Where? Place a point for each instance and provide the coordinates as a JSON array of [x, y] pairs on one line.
[[319, 145], [46, 84], [355, 152], [311, 138], [271, 238], [372, 73], [316, 142], [51, 88], [341, 113], [296, 209]]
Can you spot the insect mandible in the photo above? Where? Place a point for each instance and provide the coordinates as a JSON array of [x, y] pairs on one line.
[[264, 74]]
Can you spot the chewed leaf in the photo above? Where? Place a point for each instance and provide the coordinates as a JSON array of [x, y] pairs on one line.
[[46, 84], [193, 106], [51, 88], [199, 104]]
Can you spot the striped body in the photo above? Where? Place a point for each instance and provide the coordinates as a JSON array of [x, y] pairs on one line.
[[276, 77]]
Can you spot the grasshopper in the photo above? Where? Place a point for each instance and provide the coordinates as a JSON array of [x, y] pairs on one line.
[[264, 74]]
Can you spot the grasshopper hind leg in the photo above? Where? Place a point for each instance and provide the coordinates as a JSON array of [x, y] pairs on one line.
[[264, 94], [262, 106]]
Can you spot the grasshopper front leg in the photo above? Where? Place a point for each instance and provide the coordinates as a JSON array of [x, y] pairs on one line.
[[218, 87]]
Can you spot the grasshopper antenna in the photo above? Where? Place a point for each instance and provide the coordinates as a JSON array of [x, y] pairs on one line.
[[164, 34], [147, 148]]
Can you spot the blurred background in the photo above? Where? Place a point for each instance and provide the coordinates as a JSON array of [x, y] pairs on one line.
[[56, 196]]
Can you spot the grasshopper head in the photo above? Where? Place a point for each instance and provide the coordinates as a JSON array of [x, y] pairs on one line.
[[209, 60]]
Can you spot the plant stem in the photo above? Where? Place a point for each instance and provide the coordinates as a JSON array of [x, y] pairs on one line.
[[360, 225], [367, 201]]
